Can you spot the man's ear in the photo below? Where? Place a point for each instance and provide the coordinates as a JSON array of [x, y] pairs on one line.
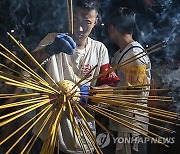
[[111, 28], [96, 21]]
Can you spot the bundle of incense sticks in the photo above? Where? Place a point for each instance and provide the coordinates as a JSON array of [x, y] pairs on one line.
[[53, 102]]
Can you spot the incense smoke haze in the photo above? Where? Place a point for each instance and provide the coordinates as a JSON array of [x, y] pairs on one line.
[[31, 20]]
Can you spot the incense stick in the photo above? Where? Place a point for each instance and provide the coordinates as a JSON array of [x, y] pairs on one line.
[[27, 131], [14, 95], [171, 115], [24, 102], [28, 109], [127, 124], [32, 58], [142, 54], [33, 73], [25, 124], [133, 118], [34, 137]]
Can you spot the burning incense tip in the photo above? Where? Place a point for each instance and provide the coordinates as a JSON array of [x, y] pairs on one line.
[[164, 42], [8, 33]]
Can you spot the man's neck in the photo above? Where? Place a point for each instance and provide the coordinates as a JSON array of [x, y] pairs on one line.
[[124, 40], [82, 44]]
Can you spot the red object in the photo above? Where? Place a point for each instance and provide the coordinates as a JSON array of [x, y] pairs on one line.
[[110, 78]]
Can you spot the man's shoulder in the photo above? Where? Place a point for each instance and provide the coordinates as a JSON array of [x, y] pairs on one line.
[[133, 48], [96, 43]]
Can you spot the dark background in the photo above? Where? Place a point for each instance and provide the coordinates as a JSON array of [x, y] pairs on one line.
[[157, 20]]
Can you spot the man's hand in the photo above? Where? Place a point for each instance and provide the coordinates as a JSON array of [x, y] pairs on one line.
[[62, 43], [84, 93]]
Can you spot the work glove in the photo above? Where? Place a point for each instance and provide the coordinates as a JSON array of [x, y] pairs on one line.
[[62, 43], [84, 93]]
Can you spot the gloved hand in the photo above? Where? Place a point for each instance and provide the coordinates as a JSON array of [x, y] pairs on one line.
[[62, 43], [84, 93]]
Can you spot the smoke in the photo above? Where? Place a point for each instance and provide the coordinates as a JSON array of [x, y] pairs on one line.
[[31, 20], [161, 24]]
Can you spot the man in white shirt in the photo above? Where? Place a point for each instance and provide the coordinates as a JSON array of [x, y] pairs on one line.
[[120, 27], [69, 60]]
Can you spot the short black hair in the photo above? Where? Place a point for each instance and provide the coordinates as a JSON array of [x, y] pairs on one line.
[[87, 4], [123, 19]]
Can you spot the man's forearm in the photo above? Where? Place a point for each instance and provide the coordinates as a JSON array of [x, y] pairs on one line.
[[40, 55]]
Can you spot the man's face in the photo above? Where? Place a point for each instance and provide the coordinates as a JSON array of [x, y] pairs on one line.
[[84, 21], [111, 32]]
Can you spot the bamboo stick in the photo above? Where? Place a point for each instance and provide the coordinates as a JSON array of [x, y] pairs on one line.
[[127, 124], [12, 54], [89, 133], [21, 110], [81, 114], [84, 132], [69, 17], [14, 63], [131, 110], [32, 58], [10, 69], [84, 119], [52, 132], [142, 54], [123, 87], [158, 99], [71, 12], [27, 131], [14, 95], [30, 71], [19, 84], [72, 123], [33, 107], [136, 96], [25, 85], [87, 140], [19, 65], [133, 118], [96, 146], [19, 73], [34, 137], [55, 130], [171, 115], [46, 144], [29, 82], [125, 121], [124, 90], [25, 124], [24, 76], [24, 102], [132, 99], [135, 107], [85, 77], [92, 117], [79, 137]]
